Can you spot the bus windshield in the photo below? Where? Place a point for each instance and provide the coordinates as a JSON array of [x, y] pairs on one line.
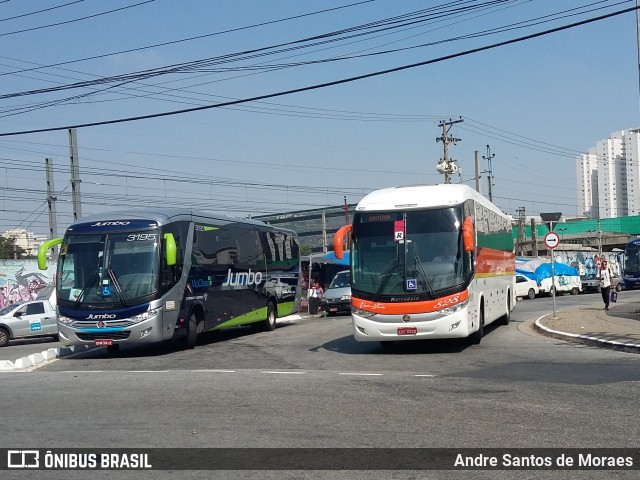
[[408, 253], [632, 258], [108, 269]]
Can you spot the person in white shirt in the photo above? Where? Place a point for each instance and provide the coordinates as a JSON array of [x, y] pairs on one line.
[[605, 284]]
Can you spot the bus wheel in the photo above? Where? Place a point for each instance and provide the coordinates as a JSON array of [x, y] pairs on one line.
[[192, 332], [270, 323], [475, 337], [575, 291], [506, 318]]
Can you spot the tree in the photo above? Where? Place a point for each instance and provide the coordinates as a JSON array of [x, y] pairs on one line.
[[9, 249]]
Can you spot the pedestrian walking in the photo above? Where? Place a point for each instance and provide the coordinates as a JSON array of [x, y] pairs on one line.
[[605, 283]]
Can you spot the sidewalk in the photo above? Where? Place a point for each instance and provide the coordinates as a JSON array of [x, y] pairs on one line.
[[40, 355], [617, 329]]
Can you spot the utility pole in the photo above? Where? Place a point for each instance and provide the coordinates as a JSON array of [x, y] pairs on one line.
[[477, 161], [75, 175], [51, 202], [534, 238], [346, 221], [445, 165], [521, 233], [324, 232], [490, 172]]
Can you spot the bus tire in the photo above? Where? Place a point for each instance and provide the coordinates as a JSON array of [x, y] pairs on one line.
[[192, 331], [575, 291], [269, 324], [476, 337], [506, 318]]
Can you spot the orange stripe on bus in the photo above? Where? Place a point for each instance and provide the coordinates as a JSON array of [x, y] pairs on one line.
[[400, 308], [490, 262]]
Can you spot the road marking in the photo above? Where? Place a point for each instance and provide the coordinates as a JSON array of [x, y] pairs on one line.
[[362, 374], [214, 371], [149, 371], [286, 373], [83, 371], [424, 375]]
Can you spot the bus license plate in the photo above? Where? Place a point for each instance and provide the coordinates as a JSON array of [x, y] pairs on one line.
[[407, 331], [104, 342]]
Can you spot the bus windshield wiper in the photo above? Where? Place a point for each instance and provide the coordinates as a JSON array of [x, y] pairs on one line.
[[86, 287], [424, 278], [114, 279]]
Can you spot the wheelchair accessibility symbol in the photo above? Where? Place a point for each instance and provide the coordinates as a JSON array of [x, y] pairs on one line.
[[106, 291], [412, 284]]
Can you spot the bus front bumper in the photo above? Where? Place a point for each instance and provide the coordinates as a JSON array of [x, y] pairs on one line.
[[147, 331], [380, 328]]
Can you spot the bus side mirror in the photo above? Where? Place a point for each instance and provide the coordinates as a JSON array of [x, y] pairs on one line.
[[338, 240], [42, 251], [468, 238], [170, 249]]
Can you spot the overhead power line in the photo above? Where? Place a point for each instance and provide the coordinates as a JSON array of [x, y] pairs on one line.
[[76, 19], [331, 83]]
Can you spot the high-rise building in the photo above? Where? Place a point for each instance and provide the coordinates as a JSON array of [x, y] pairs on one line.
[[608, 177]]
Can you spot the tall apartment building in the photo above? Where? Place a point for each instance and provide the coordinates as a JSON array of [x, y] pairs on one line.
[[608, 177]]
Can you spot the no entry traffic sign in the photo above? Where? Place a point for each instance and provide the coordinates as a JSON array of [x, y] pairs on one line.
[[551, 240]]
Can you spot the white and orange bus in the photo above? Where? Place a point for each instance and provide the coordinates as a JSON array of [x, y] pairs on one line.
[[428, 262]]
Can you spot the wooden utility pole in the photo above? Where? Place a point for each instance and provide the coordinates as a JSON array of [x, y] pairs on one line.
[[447, 166]]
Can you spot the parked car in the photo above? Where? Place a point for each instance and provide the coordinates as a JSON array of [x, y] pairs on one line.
[[593, 285], [337, 298], [526, 288], [33, 318]]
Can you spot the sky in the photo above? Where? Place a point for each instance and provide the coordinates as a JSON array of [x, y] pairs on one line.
[[332, 99]]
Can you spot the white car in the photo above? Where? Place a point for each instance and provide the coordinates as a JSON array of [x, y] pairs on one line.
[[526, 288], [34, 318]]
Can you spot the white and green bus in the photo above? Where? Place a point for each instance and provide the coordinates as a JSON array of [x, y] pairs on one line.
[[141, 276]]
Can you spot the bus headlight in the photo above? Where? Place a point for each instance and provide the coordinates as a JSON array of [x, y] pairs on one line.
[[361, 313], [147, 315], [64, 320], [455, 308]]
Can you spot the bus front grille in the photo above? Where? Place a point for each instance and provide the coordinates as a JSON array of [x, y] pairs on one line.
[[89, 337]]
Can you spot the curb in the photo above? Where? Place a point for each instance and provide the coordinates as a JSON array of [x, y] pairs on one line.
[[584, 339], [34, 359]]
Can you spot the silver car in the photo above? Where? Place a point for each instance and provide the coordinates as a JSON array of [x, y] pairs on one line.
[[34, 318], [337, 298]]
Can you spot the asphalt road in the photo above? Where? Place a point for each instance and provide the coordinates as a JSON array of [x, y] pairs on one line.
[[311, 385]]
